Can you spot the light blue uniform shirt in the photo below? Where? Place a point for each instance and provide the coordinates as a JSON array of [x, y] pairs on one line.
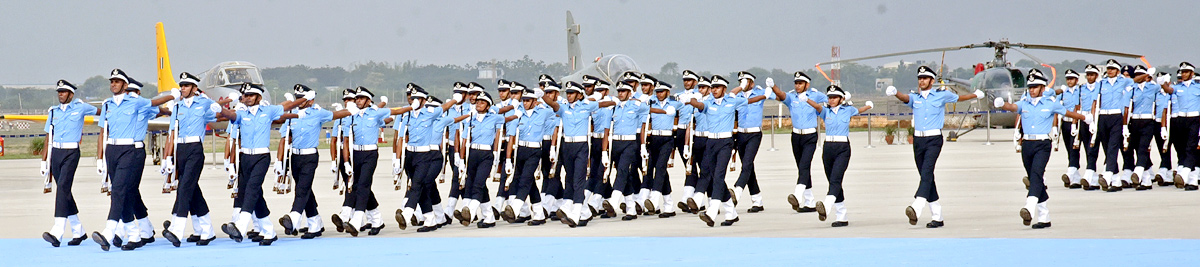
[[122, 119], [548, 131], [1144, 96], [1162, 101], [602, 118], [837, 119], [367, 124], [701, 117], [144, 116], [751, 114], [68, 121], [533, 122], [510, 127], [194, 116], [576, 116], [929, 112], [306, 131], [1087, 94], [720, 113], [628, 117], [685, 112], [256, 127], [454, 112], [483, 127], [803, 115], [1070, 97], [419, 124], [663, 121], [1187, 96], [1039, 118], [1114, 93]]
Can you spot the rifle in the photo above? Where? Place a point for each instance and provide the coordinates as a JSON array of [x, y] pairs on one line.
[[336, 143], [466, 146], [281, 183], [350, 144], [106, 186], [48, 148], [401, 139], [1096, 112], [1166, 123], [234, 145], [558, 137], [174, 132]]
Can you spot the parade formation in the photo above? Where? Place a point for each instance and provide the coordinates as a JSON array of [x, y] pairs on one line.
[[575, 152]]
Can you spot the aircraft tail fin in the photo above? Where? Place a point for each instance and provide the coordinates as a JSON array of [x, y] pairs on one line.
[[574, 53], [166, 78]]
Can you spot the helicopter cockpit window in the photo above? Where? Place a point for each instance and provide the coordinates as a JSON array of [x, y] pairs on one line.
[[241, 75], [992, 79], [613, 65], [1018, 79]]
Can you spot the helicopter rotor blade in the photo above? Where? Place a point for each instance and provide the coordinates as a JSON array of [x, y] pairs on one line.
[[1077, 50], [1035, 59], [944, 49]]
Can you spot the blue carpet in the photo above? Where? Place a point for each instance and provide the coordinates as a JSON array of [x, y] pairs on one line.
[[690, 251]]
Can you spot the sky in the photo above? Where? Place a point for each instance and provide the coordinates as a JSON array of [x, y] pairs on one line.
[[43, 41]]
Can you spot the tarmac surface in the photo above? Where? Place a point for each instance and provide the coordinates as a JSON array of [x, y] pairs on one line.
[[980, 186]]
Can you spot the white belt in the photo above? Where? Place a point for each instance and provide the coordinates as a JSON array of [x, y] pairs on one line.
[[934, 132], [364, 147], [421, 148], [596, 135], [1186, 114], [1141, 116], [534, 144], [547, 138], [189, 139], [481, 146], [64, 145], [124, 142], [804, 131], [749, 130], [1109, 111], [660, 132], [304, 151], [837, 138], [1036, 137], [624, 137], [1067, 119], [720, 135], [681, 126], [255, 151], [575, 139], [699, 134]]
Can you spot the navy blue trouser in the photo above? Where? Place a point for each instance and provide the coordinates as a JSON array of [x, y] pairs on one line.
[[699, 181], [1108, 137], [747, 147], [660, 152], [451, 154], [479, 167], [364, 175], [63, 163], [1034, 155], [926, 151], [422, 171], [1183, 137], [715, 164], [1069, 141], [120, 160], [597, 170], [253, 169], [189, 199], [139, 166], [574, 159], [502, 192], [522, 187], [803, 147], [304, 169], [550, 186], [625, 154], [836, 158], [1141, 135]]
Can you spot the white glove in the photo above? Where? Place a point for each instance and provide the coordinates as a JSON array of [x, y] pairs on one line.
[[348, 168], [228, 166], [337, 106], [458, 98], [1125, 131], [1016, 135], [978, 94], [278, 167], [462, 164], [301, 114], [687, 152], [553, 154], [645, 153], [1062, 87], [1053, 134], [168, 166], [1165, 79], [803, 97], [999, 102], [353, 109], [235, 96], [1163, 132], [891, 90], [396, 166], [239, 106], [870, 104], [1091, 122], [45, 169], [101, 167], [383, 99], [333, 167], [770, 82], [508, 168], [289, 97], [604, 159], [175, 94]]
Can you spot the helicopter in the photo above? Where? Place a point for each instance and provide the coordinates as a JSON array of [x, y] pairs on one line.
[[996, 78]]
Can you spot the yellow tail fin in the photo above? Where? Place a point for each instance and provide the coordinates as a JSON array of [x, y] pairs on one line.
[[166, 78]]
